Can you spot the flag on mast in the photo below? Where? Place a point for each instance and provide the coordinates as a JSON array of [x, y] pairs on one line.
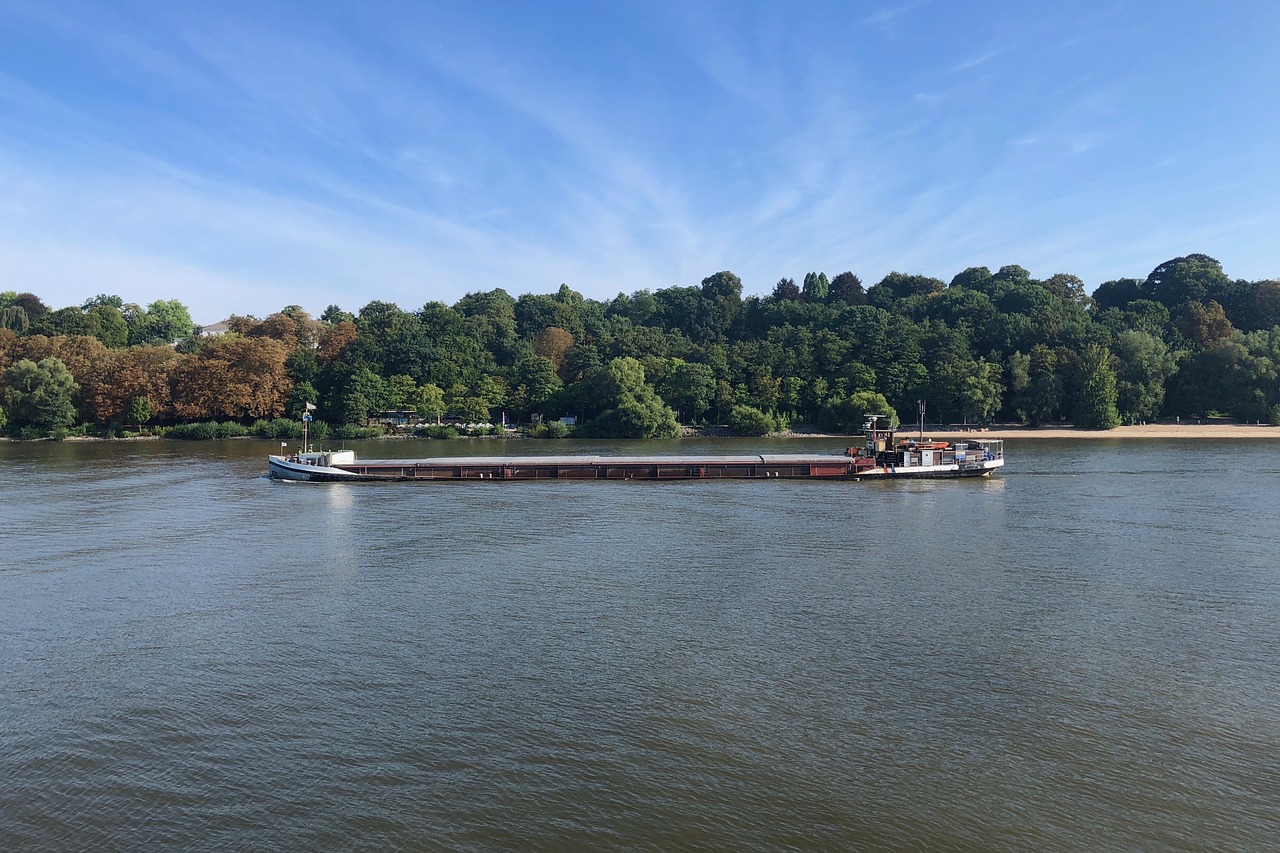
[[311, 407]]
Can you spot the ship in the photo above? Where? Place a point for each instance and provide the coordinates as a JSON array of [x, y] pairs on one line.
[[882, 457]]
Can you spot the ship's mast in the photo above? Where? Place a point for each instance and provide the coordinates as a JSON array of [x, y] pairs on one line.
[[306, 422]]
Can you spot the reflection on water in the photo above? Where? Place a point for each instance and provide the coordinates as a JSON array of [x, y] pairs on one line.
[[1081, 653]]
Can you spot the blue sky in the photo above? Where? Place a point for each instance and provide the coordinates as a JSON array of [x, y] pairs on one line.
[[244, 156]]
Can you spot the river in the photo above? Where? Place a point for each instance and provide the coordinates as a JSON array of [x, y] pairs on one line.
[[1081, 653]]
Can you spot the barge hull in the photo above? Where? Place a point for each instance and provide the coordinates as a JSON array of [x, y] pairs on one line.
[[624, 468]]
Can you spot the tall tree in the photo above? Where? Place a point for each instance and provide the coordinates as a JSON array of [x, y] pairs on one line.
[[536, 383], [1204, 325], [232, 377], [691, 388], [785, 290], [846, 289], [39, 394], [816, 287], [1193, 278], [1144, 366], [630, 407], [1118, 293], [165, 321], [1096, 400]]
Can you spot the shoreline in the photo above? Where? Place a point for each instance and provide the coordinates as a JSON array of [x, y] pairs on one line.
[[1141, 431], [1232, 431]]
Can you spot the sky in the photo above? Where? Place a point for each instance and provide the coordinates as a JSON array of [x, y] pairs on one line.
[[245, 156]]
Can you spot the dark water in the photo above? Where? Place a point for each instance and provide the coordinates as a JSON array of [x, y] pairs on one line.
[[1083, 653]]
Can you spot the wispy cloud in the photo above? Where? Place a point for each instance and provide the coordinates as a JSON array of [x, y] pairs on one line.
[[887, 16], [243, 163], [983, 59]]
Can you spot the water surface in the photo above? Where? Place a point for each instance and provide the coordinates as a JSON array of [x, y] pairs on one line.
[[1082, 653]]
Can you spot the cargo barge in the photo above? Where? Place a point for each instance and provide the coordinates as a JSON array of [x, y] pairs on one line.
[[880, 459]]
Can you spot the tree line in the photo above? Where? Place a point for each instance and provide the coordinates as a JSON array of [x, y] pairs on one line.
[[1187, 341]]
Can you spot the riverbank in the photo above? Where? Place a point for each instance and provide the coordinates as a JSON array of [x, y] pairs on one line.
[[1017, 431], [1009, 431], [1142, 431]]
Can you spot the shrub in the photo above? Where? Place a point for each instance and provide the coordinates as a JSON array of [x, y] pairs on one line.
[[549, 429], [201, 431], [745, 420], [278, 428], [351, 431], [206, 431], [229, 429]]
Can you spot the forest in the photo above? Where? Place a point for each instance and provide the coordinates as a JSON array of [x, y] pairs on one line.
[[1186, 340]]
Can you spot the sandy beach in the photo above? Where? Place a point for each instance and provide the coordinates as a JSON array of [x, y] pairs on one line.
[[1152, 431]]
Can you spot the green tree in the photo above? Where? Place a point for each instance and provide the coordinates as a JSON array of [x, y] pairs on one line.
[[1037, 385], [299, 396], [536, 383], [631, 409], [1117, 293], [1144, 365], [139, 410], [402, 392], [849, 414], [164, 322], [365, 393], [896, 287], [40, 394], [1096, 400], [430, 402], [15, 317], [722, 294], [747, 420], [64, 321], [785, 290], [816, 287], [108, 299], [846, 288], [691, 388], [107, 324], [1066, 287], [1193, 278], [334, 315], [968, 389]]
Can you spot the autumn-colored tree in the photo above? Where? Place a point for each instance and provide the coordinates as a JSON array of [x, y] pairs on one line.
[[293, 327], [138, 372], [335, 339], [8, 347], [87, 359], [232, 378], [553, 343], [1205, 325]]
